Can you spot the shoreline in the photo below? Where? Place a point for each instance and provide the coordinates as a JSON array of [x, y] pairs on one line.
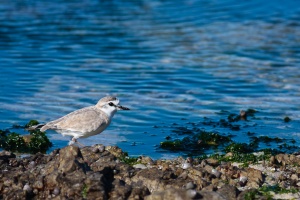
[[99, 172]]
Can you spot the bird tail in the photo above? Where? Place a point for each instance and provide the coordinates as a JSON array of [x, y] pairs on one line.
[[42, 127]]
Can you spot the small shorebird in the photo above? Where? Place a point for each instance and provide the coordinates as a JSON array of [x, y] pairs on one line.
[[85, 122]]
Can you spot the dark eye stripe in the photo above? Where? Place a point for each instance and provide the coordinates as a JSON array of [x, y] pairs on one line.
[[111, 104]]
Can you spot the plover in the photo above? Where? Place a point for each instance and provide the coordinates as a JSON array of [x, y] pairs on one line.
[[85, 122]]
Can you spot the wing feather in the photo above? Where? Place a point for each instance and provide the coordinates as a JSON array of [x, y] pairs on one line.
[[87, 119]]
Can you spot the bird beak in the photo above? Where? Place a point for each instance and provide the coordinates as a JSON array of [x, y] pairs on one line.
[[122, 107]]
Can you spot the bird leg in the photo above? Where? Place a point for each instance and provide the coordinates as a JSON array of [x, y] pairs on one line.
[[74, 140]]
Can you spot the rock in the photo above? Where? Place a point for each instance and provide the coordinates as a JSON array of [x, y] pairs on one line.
[[138, 192], [229, 192], [244, 194], [206, 195], [172, 194], [86, 173], [212, 162], [294, 177], [70, 159], [254, 176], [145, 160], [116, 151]]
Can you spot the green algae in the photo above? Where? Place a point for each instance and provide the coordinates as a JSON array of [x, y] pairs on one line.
[[84, 191], [31, 123], [128, 159], [197, 142], [174, 145], [244, 158], [39, 142], [193, 141], [239, 148], [267, 192], [15, 142]]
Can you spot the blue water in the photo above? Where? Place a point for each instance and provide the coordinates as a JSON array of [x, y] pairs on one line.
[[171, 62]]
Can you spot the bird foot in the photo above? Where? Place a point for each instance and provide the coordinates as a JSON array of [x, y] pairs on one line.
[[73, 141]]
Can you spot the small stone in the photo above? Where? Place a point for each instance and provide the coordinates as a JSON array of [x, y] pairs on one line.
[[101, 148], [27, 188], [145, 160], [95, 150], [32, 164], [243, 180], [56, 191], [38, 184], [212, 162], [294, 177], [203, 163], [272, 160], [191, 193], [140, 166], [190, 185], [189, 160], [228, 155], [186, 165], [216, 173]]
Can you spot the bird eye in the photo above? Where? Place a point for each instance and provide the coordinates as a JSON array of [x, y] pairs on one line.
[[111, 104]]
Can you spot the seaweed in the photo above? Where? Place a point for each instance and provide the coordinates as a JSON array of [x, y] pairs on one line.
[[287, 119], [37, 142], [197, 142], [128, 160]]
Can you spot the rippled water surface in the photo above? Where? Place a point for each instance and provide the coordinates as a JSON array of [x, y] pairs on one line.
[[172, 62]]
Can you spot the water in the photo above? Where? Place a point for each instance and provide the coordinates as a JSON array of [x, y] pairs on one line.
[[171, 62]]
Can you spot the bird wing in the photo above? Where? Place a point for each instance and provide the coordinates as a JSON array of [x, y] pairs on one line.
[[87, 119]]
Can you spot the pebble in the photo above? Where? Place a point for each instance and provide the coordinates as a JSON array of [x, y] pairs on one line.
[[216, 173], [56, 191], [101, 148], [31, 164], [140, 166], [243, 181], [27, 188], [190, 185], [191, 193], [186, 165], [95, 150], [294, 177]]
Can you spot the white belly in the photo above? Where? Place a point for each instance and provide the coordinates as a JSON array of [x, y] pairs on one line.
[[83, 134]]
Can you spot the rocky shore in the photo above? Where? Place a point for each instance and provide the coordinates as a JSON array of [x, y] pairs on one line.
[[100, 172]]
